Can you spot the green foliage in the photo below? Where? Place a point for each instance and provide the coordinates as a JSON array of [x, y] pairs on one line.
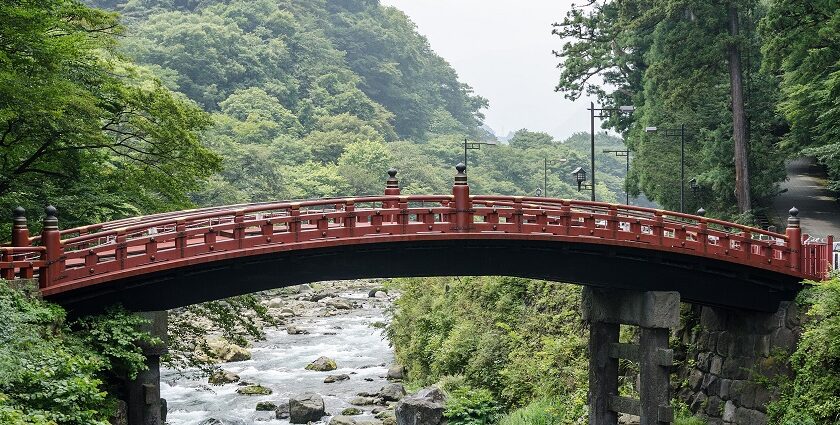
[[514, 337], [802, 44], [469, 406], [813, 396], [82, 128], [542, 411], [668, 58], [49, 374], [114, 334]]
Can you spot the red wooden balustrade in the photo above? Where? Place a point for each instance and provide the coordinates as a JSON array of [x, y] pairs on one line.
[[61, 258]]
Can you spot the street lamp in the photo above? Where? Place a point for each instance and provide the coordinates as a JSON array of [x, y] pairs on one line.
[[694, 186], [539, 192], [674, 132], [626, 154], [546, 164], [474, 146], [601, 113], [580, 177]]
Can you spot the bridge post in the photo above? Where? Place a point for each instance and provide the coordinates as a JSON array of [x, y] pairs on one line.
[[143, 401], [463, 204], [654, 313], [20, 231], [53, 256], [392, 188], [794, 235]]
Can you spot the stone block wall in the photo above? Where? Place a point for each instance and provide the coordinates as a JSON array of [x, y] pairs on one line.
[[726, 354]]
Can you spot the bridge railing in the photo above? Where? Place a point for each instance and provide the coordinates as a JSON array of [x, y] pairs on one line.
[[152, 242]]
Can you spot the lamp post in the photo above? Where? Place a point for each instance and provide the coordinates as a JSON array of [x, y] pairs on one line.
[[626, 154], [546, 164], [601, 113], [474, 146], [674, 132], [539, 192], [580, 177]]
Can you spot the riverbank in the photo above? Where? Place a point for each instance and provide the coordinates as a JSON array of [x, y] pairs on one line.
[[339, 320]]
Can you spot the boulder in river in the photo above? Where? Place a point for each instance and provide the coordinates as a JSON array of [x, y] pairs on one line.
[[342, 420], [351, 411], [375, 293], [392, 392], [225, 351], [282, 411], [322, 364], [335, 378], [339, 304], [396, 371], [362, 401], [304, 408], [294, 330], [266, 406], [221, 377], [253, 390], [424, 407]]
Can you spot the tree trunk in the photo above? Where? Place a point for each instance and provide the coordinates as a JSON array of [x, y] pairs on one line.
[[739, 122]]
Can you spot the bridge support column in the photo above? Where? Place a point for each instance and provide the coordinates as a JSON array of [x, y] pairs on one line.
[[143, 400], [654, 313]]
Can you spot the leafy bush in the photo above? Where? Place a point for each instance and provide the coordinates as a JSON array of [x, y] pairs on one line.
[[559, 411], [469, 406], [519, 338], [52, 375], [813, 396]]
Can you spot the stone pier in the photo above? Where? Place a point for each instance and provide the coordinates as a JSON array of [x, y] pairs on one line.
[[654, 313], [143, 401], [731, 353]]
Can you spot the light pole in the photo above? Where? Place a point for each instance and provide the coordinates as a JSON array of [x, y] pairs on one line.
[[546, 164], [474, 146], [674, 132], [601, 113], [580, 177], [626, 154]]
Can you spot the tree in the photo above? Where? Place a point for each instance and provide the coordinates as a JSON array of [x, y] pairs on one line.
[[802, 47], [83, 128], [666, 58]]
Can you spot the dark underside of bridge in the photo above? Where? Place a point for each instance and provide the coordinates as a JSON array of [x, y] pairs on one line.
[[698, 280]]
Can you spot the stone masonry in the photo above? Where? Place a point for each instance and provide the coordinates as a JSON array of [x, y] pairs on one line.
[[728, 354]]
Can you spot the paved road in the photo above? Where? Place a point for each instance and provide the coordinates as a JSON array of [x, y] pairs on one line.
[[818, 207]]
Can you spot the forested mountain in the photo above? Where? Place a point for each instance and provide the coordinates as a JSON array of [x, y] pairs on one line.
[[317, 98]]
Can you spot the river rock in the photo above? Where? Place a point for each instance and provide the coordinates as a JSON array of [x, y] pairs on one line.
[[253, 390], [276, 303], [392, 392], [396, 372], [351, 411], [380, 294], [424, 407], [282, 411], [266, 406], [342, 420], [362, 401], [335, 378], [221, 377], [225, 351], [322, 364], [339, 304], [373, 293], [214, 421], [294, 330], [304, 408]]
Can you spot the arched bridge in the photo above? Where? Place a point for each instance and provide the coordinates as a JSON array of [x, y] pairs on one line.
[[167, 260]]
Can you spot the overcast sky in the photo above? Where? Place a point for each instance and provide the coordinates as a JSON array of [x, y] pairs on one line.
[[502, 48]]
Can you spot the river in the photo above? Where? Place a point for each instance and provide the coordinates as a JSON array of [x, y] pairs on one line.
[[359, 349]]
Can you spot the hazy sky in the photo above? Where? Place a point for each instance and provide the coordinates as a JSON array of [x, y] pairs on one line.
[[502, 48]]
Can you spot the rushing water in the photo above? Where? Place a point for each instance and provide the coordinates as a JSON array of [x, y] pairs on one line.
[[359, 349]]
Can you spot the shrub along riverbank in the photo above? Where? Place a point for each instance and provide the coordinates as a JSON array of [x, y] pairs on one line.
[[55, 371], [513, 351]]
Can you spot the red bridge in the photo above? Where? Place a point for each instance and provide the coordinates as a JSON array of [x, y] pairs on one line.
[[174, 259]]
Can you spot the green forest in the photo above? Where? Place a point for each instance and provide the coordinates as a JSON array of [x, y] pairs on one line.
[[116, 108]]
